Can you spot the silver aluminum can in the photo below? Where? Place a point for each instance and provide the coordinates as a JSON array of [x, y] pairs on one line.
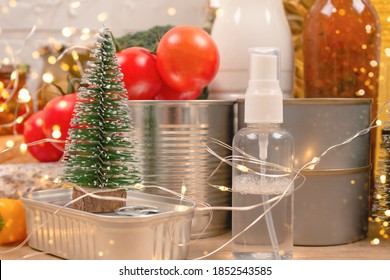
[[332, 206], [169, 135]]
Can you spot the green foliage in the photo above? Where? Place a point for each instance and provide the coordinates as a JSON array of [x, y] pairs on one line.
[[147, 39], [99, 152]]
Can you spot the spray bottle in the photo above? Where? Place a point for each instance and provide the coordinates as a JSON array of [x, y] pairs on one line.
[[263, 154]]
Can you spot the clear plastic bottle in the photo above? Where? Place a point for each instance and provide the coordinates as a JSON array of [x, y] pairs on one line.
[[263, 155]]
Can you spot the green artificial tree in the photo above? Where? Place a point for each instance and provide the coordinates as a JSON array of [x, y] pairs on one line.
[[99, 151]]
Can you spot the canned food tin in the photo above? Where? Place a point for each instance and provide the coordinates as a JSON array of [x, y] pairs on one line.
[[149, 228], [331, 207], [169, 135]]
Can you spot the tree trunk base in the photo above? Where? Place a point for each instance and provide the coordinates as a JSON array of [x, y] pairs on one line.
[[98, 205]]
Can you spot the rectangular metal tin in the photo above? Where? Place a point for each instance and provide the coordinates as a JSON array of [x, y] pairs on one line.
[[74, 234], [331, 207]]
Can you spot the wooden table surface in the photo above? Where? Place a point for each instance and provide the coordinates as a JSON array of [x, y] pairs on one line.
[[361, 250]]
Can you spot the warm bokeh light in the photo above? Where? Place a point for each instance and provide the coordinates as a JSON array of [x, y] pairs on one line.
[[64, 66], [171, 11], [75, 55], [75, 4], [52, 59], [23, 148], [102, 17], [19, 119], [14, 75], [383, 179], [9, 143], [24, 95], [35, 55], [67, 32], [48, 77], [375, 241], [56, 132]]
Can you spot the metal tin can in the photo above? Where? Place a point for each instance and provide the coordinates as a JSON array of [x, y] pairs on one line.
[[331, 207], [169, 135], [159, 227]]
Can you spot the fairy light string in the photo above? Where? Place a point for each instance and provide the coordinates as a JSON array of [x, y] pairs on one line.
[[230, 160], [68, 31], [308, 166]]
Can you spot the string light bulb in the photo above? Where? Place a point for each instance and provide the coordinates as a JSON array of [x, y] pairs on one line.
[[23, 148], [75, 4], [4, 94], [242, 168], [102, 17], [75, 55], [19, 119], [52, 59], [48, 77], [383, 179], [171, 11], [9, 143], [24, 95], [375, 241], [66, 32], [56, 132], [14, 75]]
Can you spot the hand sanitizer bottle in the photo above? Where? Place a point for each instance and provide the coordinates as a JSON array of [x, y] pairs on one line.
[[263, 155]]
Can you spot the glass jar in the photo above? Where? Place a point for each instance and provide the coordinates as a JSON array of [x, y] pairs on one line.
[[341, 44], [15, 106]]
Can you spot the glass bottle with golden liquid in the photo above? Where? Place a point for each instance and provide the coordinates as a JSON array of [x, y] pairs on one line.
[[341, 43], [383, 9]]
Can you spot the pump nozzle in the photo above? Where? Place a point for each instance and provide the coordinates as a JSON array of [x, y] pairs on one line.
[[264, 97], [263, 66]]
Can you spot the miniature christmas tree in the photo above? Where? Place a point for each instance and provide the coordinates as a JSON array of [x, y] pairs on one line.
[[99, 152]]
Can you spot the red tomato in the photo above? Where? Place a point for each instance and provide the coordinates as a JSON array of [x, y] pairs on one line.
[[57, 115], [32, 132], [167, 93], [187, 58], [140, 75]]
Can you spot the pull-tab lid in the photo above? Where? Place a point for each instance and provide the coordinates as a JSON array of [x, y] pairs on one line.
[[264, 97]]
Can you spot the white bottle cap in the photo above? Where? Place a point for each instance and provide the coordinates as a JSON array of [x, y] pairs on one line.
[[264, 97]]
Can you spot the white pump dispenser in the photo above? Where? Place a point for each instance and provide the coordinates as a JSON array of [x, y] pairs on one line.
[[263, 154], [264, 97]]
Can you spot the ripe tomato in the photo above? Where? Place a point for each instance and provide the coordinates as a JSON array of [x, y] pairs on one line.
[[140, 75], [187, 58], [32, 132], [167, 93], [57, 115]]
